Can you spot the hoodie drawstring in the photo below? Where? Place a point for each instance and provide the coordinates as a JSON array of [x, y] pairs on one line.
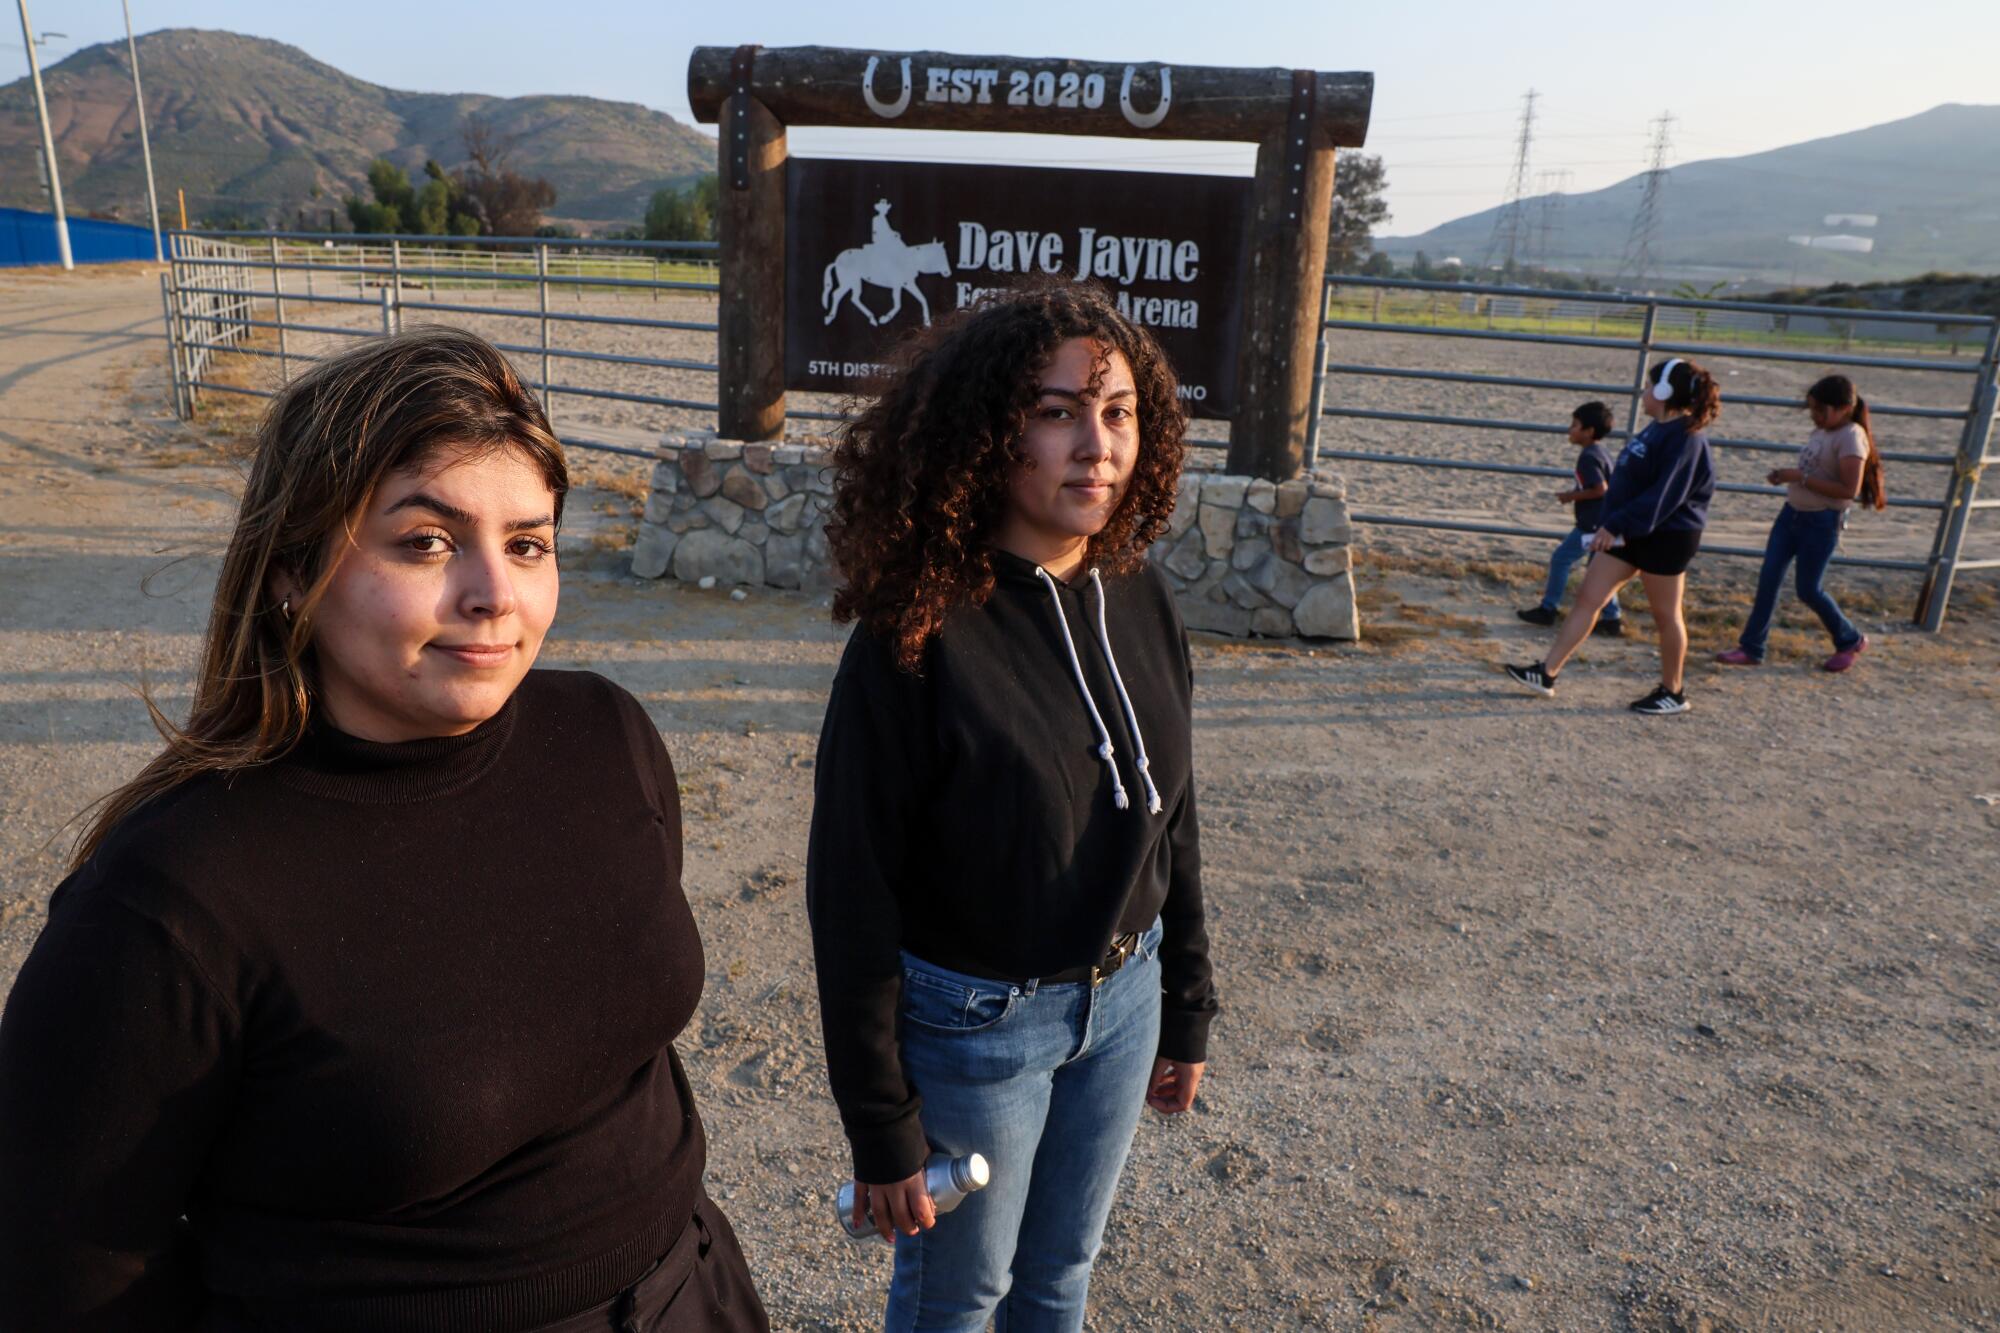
[[1125, 701], [1104, 747]]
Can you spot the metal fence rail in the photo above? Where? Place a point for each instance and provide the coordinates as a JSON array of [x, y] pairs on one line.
[[1817, 336], [222, 286], [205, 314]]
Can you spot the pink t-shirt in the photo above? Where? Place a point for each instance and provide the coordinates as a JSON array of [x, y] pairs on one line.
[[1821, 459]]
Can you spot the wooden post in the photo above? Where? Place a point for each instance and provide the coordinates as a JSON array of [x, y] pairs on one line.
[[1290, 207], [751, 320]]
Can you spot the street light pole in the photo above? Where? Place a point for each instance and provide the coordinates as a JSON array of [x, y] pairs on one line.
[[145, 144], [48, 140]]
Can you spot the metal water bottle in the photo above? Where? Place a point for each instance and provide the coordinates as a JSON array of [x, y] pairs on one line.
[[949, 1179]]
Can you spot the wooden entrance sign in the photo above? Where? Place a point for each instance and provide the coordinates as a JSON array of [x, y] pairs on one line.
[[1297, 118]]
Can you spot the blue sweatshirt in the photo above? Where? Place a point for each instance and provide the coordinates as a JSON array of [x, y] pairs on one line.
[[1662, 482]]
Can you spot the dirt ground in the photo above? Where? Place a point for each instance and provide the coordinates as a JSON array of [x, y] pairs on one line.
[[1536, 1015]]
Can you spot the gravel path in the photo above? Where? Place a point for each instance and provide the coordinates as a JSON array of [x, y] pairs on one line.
[[1538, 1016]]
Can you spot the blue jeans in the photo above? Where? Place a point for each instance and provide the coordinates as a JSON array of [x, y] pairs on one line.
[[1048, 1083], [1568, 551], [1810, 539]]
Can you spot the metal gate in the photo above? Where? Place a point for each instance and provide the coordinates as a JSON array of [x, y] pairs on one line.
[[222, 287], [1672, 326]]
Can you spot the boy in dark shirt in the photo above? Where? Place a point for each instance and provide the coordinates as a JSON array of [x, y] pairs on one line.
[[1588, 426]]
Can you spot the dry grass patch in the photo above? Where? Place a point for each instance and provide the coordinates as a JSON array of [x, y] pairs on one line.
[[612, 537], [1493, 573], [633, 481], [1443, 622], [229, 420]]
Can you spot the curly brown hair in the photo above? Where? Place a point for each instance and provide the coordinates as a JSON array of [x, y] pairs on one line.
[[1694, 391], [921, 474]]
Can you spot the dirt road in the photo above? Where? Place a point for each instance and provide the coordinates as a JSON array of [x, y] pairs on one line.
[[1537, 1015]]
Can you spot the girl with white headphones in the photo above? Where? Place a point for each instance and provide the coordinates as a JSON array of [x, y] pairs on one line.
[[1650, 527]]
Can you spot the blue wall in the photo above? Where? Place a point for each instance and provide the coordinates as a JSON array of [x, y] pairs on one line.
[[30, 238]]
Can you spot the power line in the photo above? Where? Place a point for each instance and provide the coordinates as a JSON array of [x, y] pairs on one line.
[[1508, 230], [1637, 261]]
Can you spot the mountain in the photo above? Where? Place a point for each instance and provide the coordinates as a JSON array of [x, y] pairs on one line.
[[1924, 190], [259, 130]]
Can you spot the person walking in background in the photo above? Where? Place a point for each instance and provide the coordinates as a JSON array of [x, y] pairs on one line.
[[1588, 426], [356, 1010], [1651, 524], [1004, 873], [1838, 465]]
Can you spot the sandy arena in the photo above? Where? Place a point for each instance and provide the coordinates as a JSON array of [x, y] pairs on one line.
[[1536, 1015]]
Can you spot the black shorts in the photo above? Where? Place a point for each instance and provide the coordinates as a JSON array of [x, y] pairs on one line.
[[1660, 552]]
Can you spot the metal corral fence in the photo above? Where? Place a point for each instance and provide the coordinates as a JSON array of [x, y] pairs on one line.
[[215, 300], [1649, 327], [220, 287]]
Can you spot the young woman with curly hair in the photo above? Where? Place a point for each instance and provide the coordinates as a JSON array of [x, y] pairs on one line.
[[1004, 873]]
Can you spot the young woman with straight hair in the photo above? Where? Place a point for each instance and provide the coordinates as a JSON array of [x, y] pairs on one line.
[[356, 1010], [1838, 465], [1004, 875], [1650, 526]]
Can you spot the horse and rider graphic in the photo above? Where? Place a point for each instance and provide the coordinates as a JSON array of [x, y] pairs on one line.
[[885, 261]]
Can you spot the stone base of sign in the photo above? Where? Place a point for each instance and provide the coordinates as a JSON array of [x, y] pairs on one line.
[[1243, 556], [736, 513], [1247, 556]]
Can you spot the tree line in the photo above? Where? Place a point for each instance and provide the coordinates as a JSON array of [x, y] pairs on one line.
[[688, 212], [484, 197]]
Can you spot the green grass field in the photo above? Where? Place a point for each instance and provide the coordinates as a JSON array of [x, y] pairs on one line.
[[487, 269], [1617, 322]]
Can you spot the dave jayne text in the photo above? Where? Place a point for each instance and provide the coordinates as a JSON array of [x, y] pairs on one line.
[[1118, 260]]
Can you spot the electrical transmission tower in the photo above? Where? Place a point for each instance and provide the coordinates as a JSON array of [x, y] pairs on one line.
[[1510, 230], [1637, 263], [1551, 189]]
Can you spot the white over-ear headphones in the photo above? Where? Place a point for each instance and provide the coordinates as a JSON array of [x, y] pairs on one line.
[[1663, 387]]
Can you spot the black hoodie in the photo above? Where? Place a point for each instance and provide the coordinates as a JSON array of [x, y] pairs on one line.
[[972, 814]]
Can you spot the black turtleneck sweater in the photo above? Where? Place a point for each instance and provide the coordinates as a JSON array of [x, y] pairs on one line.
[[371, 1037], [965, 813]]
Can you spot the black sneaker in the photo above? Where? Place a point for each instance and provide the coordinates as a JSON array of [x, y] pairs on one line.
[[1609, 629], [1533, 677], [1662, 702], [1538, 615]]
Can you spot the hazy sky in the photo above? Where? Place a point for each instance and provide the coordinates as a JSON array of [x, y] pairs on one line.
[[1740, 75]]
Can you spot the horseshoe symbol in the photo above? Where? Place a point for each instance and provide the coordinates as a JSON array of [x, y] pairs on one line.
[[1147, 120], [886, 110]]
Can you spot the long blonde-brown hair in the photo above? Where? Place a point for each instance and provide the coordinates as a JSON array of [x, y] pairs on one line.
[[322, 448]]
